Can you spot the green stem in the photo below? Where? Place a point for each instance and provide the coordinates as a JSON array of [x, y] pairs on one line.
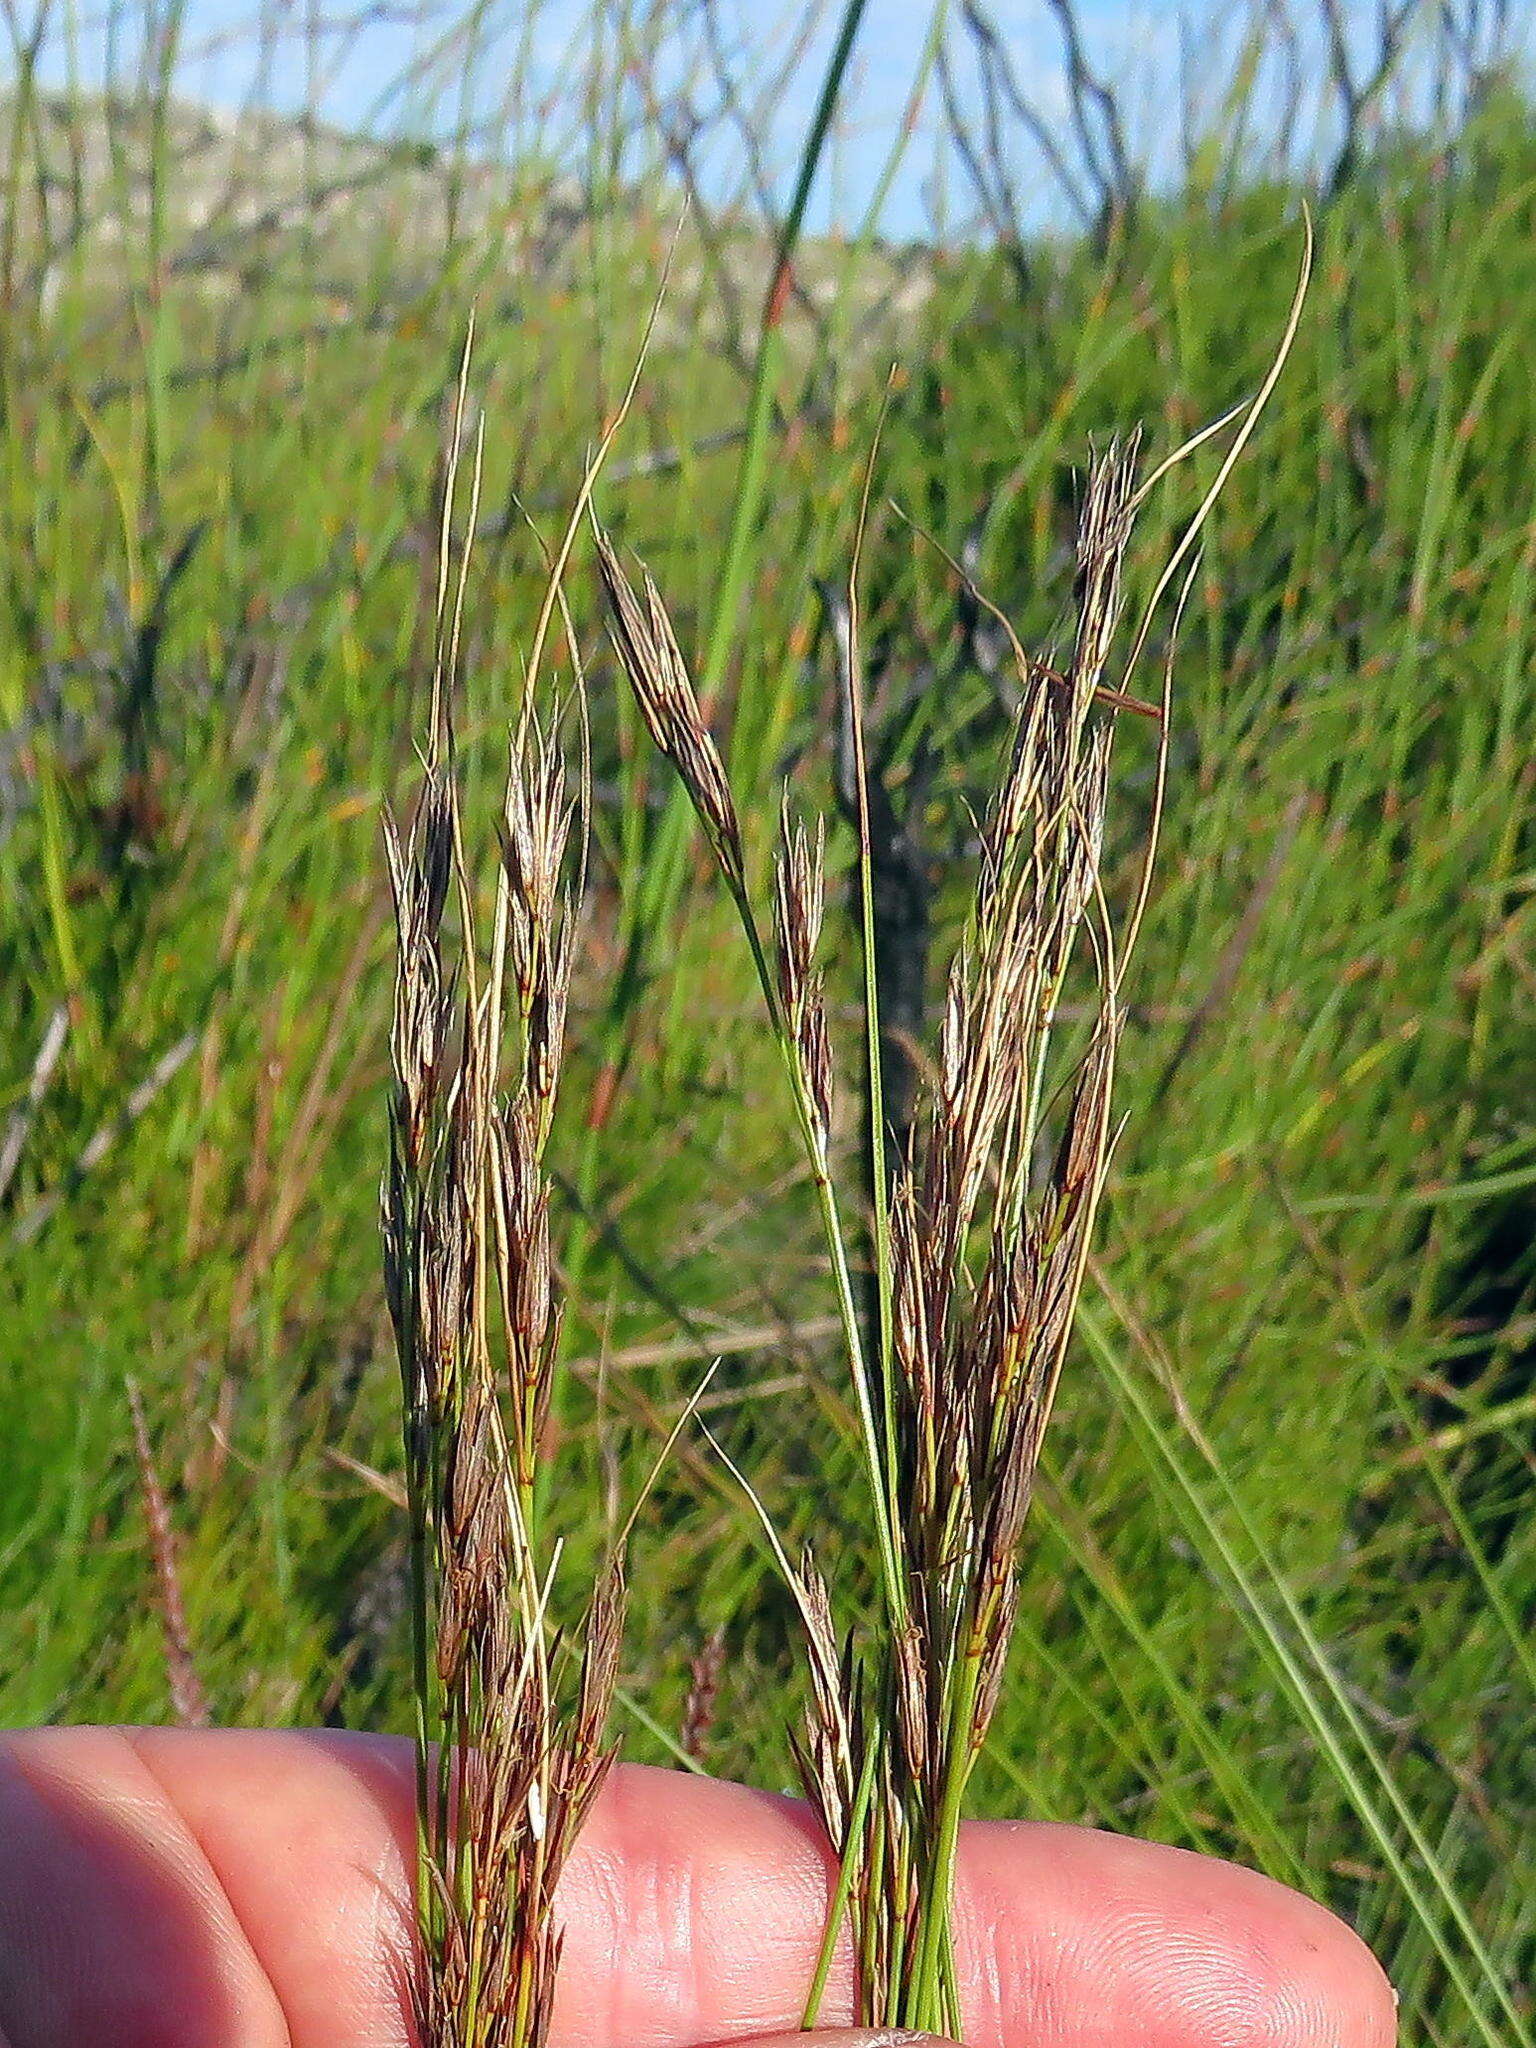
[[929, 2006], [884, 1475], [421, 1619], [875, 1451], [749, 484], [652, 904], [837, 1909]]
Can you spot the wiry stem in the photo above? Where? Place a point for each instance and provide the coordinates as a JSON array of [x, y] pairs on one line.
[[950, 1410], [510, 1744], [978, 1270], [647, 648]]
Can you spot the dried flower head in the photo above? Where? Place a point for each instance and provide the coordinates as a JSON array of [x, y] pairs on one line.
[[512, 1708], [650, 657], [978, 1270]]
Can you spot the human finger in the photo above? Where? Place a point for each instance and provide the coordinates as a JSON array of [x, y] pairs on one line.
[[252, 1890]]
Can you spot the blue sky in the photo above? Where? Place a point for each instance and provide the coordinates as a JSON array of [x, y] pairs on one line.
[[387, 76]]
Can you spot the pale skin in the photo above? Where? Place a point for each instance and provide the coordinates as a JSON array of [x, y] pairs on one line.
[[173, 1889]]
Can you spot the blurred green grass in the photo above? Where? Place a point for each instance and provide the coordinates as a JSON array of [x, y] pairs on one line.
[[1282, 1588]]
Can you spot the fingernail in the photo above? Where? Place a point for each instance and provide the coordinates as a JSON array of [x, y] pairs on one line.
[[852, 2037], [891, 2037]]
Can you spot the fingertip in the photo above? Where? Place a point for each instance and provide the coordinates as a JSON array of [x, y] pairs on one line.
[[1353, 2003], [1288, 1973], [1130, 1941]]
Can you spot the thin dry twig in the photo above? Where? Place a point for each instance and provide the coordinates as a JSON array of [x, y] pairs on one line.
[[35, 1220], [24, 1114]]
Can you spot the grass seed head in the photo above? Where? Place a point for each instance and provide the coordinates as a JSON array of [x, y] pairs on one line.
[[651, 659], [512, 1746]]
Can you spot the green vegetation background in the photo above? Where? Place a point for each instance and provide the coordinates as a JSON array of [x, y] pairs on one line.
[[1280, 1595]]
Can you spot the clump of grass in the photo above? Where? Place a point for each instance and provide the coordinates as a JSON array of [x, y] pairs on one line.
[[511, 1746], [979, 1257], [977, 1275], [978, 1262]]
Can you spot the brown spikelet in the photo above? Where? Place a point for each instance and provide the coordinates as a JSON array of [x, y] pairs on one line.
[[189, 1702], [799, 901], [705, 1670], [649, 655], [827, 1756], [419, 873], [535, 829]]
